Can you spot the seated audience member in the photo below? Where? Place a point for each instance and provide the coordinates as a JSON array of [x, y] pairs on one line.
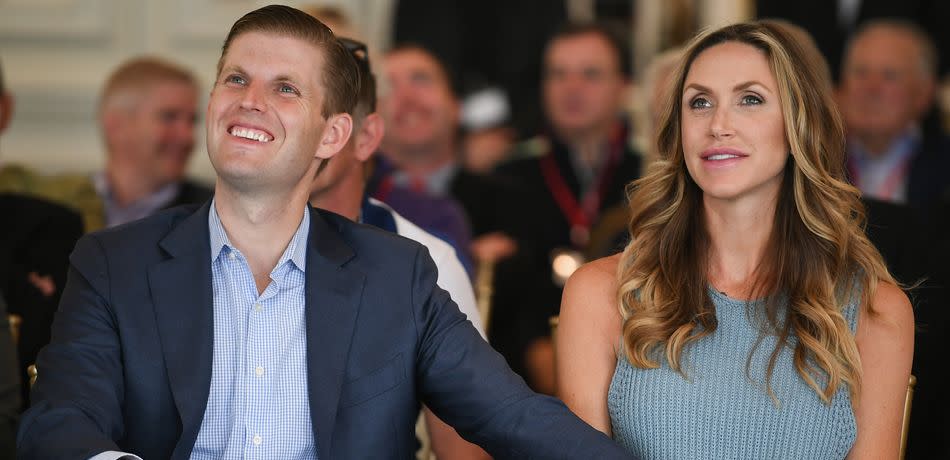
[[572, 177], [487, 135], [888, 82], [422, 150], [897, 230], [173, 329], [340, 187], [147, 114], [749, 316], [35, 241]]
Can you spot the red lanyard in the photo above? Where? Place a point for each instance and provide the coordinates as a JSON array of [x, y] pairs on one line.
[[582, 215], [384, 188]]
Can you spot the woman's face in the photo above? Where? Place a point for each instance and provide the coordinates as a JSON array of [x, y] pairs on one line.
[[732, 125]]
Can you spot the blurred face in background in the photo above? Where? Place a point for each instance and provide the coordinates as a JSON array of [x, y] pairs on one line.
[[884, 85], [583, 84], [157, 133], [419, 108]]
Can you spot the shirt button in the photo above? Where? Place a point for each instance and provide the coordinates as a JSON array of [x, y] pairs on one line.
[[231, 256], [258, 307], [259, 371], [257, 440]]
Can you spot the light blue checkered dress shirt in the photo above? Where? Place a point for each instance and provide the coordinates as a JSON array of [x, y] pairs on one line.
[[258, 406]]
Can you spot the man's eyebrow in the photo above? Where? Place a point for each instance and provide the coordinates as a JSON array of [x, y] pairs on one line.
[[286, 78], [233, 68]]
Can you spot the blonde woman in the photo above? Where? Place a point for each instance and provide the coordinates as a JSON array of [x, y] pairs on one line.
[[749, 317]]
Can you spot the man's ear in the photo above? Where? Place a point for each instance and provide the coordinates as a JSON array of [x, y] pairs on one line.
[[6, 110], [926, 95], [336, 133], [113, 120], [369, 136]]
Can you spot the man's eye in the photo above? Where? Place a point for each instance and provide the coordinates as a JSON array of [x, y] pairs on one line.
[[593, 74], [236, 79]]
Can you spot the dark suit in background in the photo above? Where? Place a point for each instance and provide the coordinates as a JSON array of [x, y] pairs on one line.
[[36, 237], [916, 249], [930, 419], [525, 293], [129, 367], [929, 171], [9, 388]]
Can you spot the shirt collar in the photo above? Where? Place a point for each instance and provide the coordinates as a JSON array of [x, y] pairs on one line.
[[903, 146], [296, 251], [436, 182], [152, 201]]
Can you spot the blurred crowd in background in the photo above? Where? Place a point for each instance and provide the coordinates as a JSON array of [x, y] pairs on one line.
[[512, 130]]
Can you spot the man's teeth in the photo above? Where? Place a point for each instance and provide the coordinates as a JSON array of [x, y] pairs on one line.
[[250, 134], [721, 156]]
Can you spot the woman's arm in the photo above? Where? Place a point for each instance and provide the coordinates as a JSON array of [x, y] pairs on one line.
[[886, 345], [586, 340]]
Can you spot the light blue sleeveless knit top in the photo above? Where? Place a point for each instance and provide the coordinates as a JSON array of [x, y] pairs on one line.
[[721, 409]]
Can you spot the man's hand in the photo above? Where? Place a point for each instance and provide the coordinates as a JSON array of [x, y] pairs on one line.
[[44, 284], [493, 247]]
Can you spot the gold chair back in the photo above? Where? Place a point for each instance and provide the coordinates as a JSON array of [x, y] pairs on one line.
[[15, 321], [484, 282], [905, 426]]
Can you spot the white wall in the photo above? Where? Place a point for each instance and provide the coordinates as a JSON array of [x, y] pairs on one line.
[[57, 53]]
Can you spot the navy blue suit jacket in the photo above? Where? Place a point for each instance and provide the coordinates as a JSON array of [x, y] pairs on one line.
[[129, 365]]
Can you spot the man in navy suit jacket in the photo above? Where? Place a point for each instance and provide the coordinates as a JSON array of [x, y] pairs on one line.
[[134, 366]]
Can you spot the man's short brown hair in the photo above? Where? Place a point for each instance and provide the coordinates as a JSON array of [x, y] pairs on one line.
[[340, 74]]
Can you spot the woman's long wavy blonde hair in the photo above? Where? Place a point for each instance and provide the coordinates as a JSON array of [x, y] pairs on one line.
[[817, 253]]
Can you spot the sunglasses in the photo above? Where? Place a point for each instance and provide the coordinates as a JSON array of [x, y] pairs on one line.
[[358, 51]]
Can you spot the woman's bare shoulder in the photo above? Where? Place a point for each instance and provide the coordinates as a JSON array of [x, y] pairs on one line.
[[594, 285], [891, 307], [597, 275]]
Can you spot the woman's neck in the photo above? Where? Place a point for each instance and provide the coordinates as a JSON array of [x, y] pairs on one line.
[[739, 235]]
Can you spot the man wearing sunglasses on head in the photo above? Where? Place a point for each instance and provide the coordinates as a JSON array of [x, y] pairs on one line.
[[258, 327], [340, 187]]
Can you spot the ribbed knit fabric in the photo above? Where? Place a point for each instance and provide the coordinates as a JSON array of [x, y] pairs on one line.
[[721, 410]]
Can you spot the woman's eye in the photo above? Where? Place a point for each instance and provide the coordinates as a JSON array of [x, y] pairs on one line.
[[700, 103], [751, 99]]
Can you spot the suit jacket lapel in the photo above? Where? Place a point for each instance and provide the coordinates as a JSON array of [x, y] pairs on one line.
[[333, 293], [182, 297]]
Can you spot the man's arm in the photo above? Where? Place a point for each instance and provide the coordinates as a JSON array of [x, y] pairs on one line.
[[467, 384], [76, 411]]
